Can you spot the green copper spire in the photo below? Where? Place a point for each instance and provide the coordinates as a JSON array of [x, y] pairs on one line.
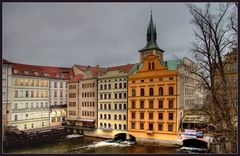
[[151, 36]]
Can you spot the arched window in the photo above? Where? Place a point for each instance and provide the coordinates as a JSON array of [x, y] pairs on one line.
[[133, 92], [124, 117], [105, 106], [160, 91], [149, 65], [115, 117], [124, 127], [109, 116], [115, 126], [120, 106], [105, 116], [142, 92], [170, 90], [109, 125], [100, 106], [125, 106], [105, 125], [109, 106], [151, 91], [119, 126], [100, 124], [119, 117]]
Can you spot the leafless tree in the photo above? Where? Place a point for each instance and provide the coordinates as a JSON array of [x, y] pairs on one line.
[[213, 31]]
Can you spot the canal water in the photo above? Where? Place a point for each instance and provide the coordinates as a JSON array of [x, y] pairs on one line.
[[74, 144]]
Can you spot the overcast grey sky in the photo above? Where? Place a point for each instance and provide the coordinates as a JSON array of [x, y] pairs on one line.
[[64, 34]]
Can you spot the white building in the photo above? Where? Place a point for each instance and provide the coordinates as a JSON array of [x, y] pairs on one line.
[[6, 93]]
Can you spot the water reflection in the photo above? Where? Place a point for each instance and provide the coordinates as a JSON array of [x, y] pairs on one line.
[[82, 144]]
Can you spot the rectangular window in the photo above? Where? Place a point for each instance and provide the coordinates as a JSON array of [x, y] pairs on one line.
[[160, 116], [141, 125], [150, 127], [160, 104], [170, 128], [170, 104], [42, 124], [150, 104], [115, 85], [109, 86], [115, 96], [32, 82], [120, 85], [170, 78], [133, 104], [133, 115], [141, 115], [160, 127], [55, 94], [55, 84], [15, 106], [141, 104], [16, 93], [32, 93], [150, 116], [26, 93], [133, 125], [170, 116], [15, 117], [61, 85], [142, 80]]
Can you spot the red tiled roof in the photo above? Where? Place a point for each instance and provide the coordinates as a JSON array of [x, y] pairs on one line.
[[125, 68], [53, 72], [94, 69], [76, 78]]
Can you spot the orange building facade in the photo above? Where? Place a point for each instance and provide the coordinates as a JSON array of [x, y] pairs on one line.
[[153, 96]]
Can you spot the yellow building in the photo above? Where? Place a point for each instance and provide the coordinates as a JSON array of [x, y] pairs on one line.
[[153, 97]]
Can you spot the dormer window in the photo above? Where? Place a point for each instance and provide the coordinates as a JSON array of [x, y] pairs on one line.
[[26, 72], [36, 73], [15, 71]]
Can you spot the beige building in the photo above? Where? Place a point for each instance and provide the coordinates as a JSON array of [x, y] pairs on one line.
[[112, 100], [82, 99]]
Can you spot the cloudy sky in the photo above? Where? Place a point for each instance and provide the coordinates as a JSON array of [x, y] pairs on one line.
[[64, 34]]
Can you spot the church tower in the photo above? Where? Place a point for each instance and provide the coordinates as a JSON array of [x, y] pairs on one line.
[[151, 47]]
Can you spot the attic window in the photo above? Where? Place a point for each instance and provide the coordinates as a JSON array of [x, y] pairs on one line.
[[26, 72], [71, 76], [57, 75], [36, 73], [15, 71]]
